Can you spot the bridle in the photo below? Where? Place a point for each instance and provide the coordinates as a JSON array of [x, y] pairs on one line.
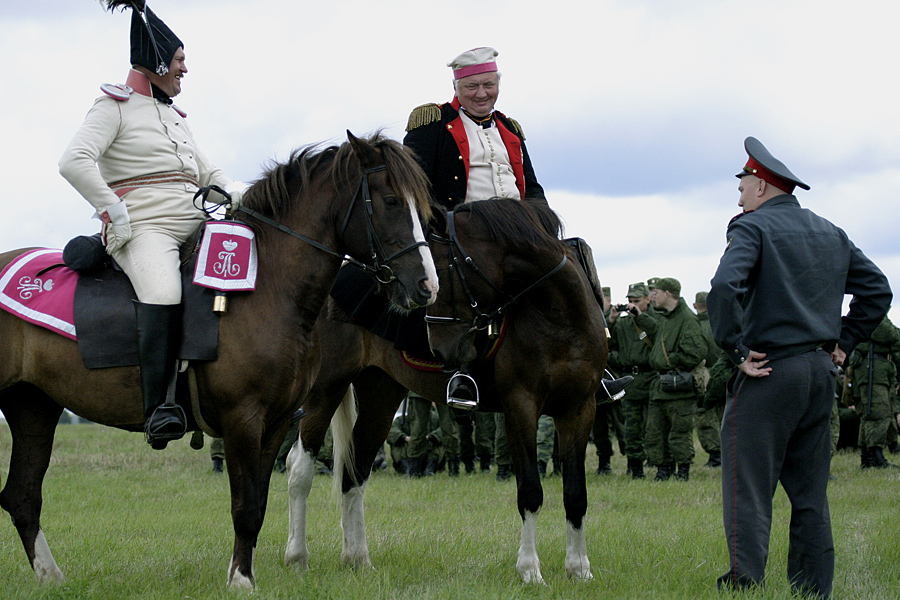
[[482, 320], [380, 267]]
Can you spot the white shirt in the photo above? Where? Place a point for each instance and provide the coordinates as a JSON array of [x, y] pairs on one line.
[[490, 171]]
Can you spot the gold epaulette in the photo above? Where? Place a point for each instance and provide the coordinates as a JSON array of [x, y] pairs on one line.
[[424, 115], [517, 127]]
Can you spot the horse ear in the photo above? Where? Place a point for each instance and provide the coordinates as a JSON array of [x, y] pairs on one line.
[[367, 155]]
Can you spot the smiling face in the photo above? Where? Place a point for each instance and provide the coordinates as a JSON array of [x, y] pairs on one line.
[[170, 83], [478, 93]]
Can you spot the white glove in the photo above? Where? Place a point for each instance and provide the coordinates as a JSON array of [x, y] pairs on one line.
[[236, 189], [117, 230]]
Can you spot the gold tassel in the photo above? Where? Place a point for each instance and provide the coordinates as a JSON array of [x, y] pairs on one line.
[[423, 115]]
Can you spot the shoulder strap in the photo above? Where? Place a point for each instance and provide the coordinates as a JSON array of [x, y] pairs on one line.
[[424, 115]]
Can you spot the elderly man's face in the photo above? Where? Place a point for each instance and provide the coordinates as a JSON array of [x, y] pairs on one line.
[[478, 93]]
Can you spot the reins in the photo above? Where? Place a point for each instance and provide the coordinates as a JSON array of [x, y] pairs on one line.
[[380, 268], [482, 320]]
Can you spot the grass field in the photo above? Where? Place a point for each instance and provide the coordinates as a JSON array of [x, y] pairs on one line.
[[127, 522]]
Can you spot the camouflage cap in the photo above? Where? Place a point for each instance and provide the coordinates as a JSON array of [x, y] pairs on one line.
[[700, 298], [668, 284], [651, 283], [637, 290]]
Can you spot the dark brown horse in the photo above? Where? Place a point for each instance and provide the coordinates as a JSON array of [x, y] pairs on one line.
[[550, 361], [363, 198]]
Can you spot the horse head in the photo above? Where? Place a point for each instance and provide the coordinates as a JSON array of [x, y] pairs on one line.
[[393, 196], [489, 254]]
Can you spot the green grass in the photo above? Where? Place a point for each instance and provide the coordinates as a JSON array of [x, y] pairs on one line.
[[124, 521]]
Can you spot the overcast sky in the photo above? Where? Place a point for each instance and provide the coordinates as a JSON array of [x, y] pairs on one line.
[[635, 111]]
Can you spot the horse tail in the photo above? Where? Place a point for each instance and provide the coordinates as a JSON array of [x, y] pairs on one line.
[[342, 434]]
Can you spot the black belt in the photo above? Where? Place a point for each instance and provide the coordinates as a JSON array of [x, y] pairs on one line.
[[638, 369]]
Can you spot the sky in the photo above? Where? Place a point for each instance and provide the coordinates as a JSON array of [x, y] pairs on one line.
[[634, 111]]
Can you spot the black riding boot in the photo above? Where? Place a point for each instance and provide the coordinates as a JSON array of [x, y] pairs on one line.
[[159, 332], [462, 391]]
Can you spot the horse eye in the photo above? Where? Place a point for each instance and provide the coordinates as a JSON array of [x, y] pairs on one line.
[[392, 200]]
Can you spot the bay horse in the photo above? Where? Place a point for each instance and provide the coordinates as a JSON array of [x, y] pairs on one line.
[[363, 198], [498, 262]]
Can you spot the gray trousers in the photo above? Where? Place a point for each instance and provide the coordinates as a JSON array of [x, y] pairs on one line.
[[776, 429]]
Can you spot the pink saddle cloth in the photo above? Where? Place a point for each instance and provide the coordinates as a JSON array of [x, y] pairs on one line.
[[37, 287]]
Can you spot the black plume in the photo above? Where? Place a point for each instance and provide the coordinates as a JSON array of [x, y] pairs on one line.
[[112, 5]]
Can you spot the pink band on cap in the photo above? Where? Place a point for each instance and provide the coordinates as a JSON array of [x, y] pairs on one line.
[[474, 70]]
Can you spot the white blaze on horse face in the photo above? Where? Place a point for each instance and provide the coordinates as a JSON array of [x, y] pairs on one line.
[[431, 284], [45, 568]]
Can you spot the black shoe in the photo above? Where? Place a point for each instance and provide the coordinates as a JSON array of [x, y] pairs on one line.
[[684, 472], [614, 388], [636, 467], [715, 459], [605, 468], [663, 472], [504, 472], [218, 466], [462, 391]]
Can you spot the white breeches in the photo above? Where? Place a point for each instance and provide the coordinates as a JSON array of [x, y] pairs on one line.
[[150, 259]]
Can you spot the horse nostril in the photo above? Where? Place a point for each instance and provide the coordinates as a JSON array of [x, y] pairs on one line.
[[426, 288]]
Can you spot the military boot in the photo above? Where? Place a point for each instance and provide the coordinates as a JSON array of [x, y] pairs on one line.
[[865, 458], [636, 467], [431, 467], [453, 466], [542, 468], [663, 472], [415, 468], [605, 467], [715, 459], [504, 472], [485, 463], [684, 472], [878, 459]]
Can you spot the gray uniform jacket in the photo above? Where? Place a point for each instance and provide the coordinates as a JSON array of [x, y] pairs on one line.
[[791, 302]]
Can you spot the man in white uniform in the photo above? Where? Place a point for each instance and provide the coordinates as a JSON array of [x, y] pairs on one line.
[[135, 160]]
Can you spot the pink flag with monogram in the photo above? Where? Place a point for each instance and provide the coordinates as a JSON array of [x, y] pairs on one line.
[[38, 288], [227, 257]]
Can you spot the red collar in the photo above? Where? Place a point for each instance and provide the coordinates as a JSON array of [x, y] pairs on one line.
[[139, 83]]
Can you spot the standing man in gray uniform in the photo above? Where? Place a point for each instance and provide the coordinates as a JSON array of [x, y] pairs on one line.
[[135, 160], [785, 345]]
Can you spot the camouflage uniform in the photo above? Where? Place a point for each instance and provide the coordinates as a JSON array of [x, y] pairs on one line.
[[434, 450], [875, 416], [678, 344], [709, 418], [546, 437], [419, 410]]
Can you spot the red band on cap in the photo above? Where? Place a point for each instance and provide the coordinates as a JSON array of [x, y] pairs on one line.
[[754, 168], [474, 70]]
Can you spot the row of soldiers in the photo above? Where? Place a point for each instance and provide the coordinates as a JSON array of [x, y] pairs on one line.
[[655, 334]]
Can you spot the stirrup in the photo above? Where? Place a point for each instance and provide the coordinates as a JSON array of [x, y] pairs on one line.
[[615, 388], [462, 392], [161, 433]]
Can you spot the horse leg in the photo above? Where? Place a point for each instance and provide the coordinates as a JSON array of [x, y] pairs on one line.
[[521, 429], [32, 417], [574, 430], [249, 488], [378, 397], [301, 466]]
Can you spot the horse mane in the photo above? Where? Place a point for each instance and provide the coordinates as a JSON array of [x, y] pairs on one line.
[[275, 191], [518, 222]]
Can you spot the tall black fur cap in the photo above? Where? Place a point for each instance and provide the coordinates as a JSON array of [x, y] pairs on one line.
[[153, 44]]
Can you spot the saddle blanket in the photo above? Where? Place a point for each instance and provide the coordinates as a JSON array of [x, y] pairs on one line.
[[38, 288]]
